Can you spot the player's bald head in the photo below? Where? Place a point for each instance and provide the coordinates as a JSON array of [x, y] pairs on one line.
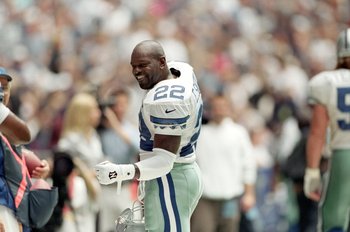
[[149, 48], [149, 64]]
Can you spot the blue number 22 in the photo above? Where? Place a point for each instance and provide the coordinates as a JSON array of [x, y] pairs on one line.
[[176, 91]]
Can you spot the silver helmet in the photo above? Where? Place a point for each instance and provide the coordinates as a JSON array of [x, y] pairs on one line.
[[131, 220], [343, 44]]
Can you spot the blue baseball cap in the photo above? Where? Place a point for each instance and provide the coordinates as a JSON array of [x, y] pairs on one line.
[[3, 73]]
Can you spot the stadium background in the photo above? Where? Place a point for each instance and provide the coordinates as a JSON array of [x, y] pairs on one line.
[[260, 53]]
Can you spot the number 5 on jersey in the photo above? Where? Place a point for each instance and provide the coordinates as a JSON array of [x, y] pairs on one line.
[[344, 106]]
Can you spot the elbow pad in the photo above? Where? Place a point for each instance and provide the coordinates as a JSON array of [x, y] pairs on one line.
[[156, 166]]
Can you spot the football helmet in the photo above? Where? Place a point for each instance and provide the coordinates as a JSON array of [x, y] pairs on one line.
[[131, 219], [343, 44]]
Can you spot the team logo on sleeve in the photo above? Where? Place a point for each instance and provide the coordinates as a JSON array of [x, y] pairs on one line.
[[112, 175]]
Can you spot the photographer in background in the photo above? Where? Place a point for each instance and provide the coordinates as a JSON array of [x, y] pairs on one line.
[[116, 131]]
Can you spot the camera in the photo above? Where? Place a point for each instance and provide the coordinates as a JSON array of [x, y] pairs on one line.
[[106, 103]]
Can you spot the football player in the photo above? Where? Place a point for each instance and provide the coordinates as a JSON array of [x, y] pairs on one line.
[[169, 122], [330, 99]]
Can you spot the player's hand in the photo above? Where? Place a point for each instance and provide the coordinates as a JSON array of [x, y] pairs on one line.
[[108, 173], [312, 183], [42, 171]]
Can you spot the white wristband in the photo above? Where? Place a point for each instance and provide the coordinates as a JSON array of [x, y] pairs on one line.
[[4, 112], [312, 181], [127, 172], [312, 172]]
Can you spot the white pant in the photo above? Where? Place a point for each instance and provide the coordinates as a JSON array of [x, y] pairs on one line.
[[8, 220]]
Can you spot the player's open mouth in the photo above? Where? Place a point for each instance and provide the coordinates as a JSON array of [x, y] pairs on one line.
[[140, 78]]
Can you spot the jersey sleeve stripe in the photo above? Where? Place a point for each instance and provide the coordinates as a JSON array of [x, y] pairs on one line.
[[169, 121]]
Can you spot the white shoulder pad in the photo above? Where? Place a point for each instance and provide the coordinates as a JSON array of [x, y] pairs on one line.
[[181, 66], [318, 89]]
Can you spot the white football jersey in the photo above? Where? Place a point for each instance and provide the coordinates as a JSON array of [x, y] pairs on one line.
[[173, 107], [332, 89]]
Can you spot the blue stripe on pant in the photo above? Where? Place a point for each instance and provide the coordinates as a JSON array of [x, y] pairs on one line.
[[173, 202], [171, 199], [173, 210], [162, 202]]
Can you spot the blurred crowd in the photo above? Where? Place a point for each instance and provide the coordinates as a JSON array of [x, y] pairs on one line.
[[260, 54]]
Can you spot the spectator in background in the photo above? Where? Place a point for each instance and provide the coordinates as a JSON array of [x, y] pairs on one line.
[[10, 124], [19, 134], [46, 123], [16, 132], [76, 189], [79, 135], [62, 168], [80, 139], [12, 127], [294, 169], [95, 38], [229, 171], [329, 92], [120, 139], [117, 130], [261, 138]]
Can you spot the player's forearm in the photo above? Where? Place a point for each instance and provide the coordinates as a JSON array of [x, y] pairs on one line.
[[317, 136], [156, 166], [314, 149]]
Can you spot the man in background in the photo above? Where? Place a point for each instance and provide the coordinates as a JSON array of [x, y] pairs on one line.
[[17, 133], [229, 171]]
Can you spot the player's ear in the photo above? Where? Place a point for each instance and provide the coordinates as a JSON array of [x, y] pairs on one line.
[[162, 62]]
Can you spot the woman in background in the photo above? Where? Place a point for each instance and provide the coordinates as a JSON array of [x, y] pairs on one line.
[[80, 139]]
